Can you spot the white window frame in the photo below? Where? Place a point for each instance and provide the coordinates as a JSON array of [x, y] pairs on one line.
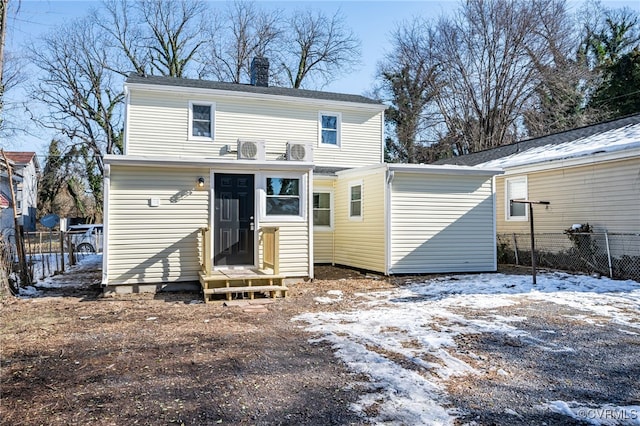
[[331, 210], [338, 128], [349, 200], [302, 187], [508, 197], [212, 116]]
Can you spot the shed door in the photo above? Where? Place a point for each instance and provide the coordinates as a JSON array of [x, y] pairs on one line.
[[233, 220]]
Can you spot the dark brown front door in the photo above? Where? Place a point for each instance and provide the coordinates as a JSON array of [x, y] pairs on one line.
[[233, 220]]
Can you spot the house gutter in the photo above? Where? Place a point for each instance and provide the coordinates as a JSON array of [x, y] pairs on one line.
[[153, 161]]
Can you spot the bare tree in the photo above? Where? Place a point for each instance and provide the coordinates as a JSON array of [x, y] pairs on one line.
[[11, 73], [318, 48], [155, 36], [563, 76], [174, 29], [408, 78], [486, 50], [240, 33], [118, 21], [83, 97]]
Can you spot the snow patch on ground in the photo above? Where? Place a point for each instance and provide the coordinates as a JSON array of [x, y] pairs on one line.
[[403, 339], [337, 296], [86, 263]]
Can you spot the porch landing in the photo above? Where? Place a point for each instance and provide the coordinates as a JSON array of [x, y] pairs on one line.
[[239, 282]]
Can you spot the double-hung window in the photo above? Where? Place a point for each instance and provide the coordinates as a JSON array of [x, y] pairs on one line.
[[329, 128], [355, 200], [322, 209], [283, 196], [201, 120], [515, 189]]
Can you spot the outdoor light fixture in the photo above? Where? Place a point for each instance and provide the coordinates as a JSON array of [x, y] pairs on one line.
[[200, 182]]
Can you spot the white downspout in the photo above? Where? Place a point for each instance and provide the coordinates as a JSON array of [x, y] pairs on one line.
[[310, 220], [495, 226], [106, 186], [333, 223], [387, 220]]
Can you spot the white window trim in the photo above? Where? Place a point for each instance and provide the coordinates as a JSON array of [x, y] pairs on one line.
[[262, 188], [338, 129], [331, 211], [507, 204], [190, 135], [351, 185]]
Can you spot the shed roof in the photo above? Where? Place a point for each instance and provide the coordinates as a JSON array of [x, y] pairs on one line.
[[614, 135], [236, 87]]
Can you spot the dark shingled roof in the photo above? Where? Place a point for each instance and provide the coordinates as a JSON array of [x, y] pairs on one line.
[[279, 91], [553, 139]]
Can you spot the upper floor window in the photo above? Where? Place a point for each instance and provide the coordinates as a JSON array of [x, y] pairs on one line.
[[283, 196], [201, 120], [515, 189], [329, 124], [322, 209], [355, 200]]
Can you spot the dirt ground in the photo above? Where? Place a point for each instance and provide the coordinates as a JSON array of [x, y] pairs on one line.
[[73, 357]]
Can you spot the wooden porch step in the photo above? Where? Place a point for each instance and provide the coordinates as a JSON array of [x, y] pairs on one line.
[[254, 288], [271, 289], [231, 282]]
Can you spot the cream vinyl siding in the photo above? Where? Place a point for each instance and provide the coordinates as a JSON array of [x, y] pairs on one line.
[[361, 243], [441, 223], [323, 238], [158, 124], [606, 195], [155, 244], [294, 248]]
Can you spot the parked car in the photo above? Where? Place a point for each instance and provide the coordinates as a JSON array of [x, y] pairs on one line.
[[86, 238]]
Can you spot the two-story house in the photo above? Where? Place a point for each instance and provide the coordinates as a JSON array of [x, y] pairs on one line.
[[25, 171], [238, 178]]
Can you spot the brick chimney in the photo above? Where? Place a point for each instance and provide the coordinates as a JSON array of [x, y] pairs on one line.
[[260, 72]]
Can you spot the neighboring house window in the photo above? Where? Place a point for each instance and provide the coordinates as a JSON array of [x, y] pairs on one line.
[[329, 129], [201, 119], [355, 200], [515, 189], [283, 196], [322, 209]]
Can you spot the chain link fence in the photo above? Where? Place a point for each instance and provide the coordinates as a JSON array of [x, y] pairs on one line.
[[614, 255]]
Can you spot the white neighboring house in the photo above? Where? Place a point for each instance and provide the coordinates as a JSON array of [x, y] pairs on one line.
[[26, 170], [221, 178]]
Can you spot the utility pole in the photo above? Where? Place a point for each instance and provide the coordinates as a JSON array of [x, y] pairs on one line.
[[25, 276], [4, 4], [533, 244]]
